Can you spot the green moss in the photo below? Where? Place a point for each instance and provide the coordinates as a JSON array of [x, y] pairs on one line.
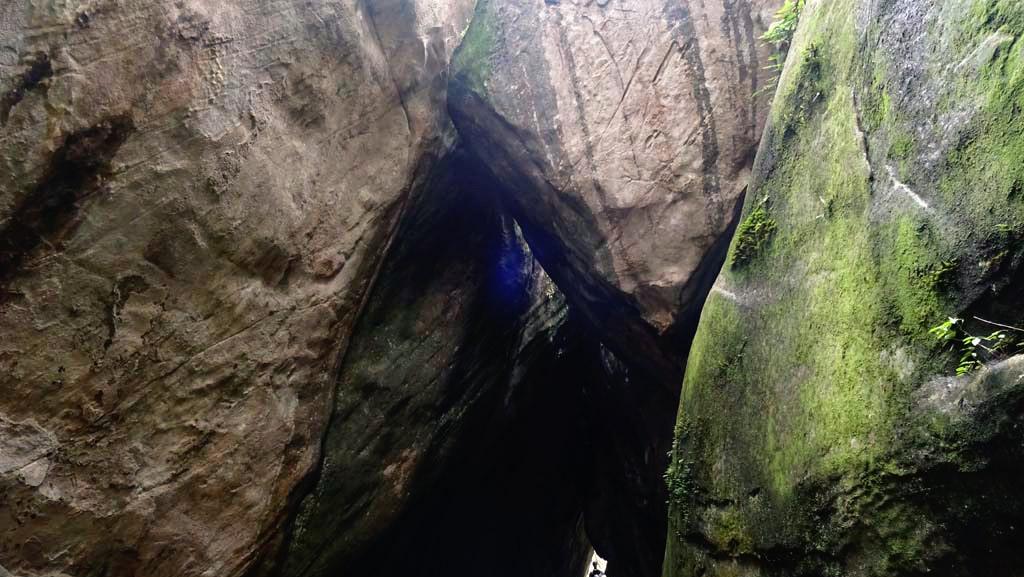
[[728, 527], [989, 162], [826, 344], [999, 14], [801, 381], [916, 276], [751, 236], [876, 104], [801, 96], [902, 147], [472, 60]]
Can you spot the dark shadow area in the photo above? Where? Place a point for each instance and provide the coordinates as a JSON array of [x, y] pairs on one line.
[[479, 428], [511, 502], [572, 453]]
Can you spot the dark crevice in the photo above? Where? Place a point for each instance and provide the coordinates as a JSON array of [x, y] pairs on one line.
[[499, 147], [511, 501], [77, 171], [539, 441], [466, 441], [40, 68]]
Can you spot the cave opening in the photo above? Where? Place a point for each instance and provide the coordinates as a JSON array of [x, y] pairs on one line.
[[562, 451], [541, 444]]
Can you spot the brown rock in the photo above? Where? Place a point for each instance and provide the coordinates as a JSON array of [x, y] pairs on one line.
[[624, 131], [195, 199]]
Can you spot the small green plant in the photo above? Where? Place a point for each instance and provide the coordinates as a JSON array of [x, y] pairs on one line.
[[947, 331], [780, 34], [807, 92], [751, 235], [976, 350], [677, 482]]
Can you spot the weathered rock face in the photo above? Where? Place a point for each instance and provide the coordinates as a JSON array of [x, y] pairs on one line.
[[822, 430], [624, 131], [195, 198]]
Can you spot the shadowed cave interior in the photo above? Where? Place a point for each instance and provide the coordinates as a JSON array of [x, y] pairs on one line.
[[558, 446]]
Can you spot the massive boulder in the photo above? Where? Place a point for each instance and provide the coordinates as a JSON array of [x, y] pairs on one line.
[[624, 131], [824, 428], [195, 199]]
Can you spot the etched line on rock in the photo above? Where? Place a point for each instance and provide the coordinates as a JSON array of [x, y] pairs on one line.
[[901, 187], [679, 16]]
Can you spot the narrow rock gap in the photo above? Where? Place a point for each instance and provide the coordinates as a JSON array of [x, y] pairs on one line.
[[525, 443]]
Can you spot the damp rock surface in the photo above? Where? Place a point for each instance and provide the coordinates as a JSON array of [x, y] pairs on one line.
[[823, 427]]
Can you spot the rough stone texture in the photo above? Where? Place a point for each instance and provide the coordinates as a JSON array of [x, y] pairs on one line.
[[822, 429], [194, 201], [624, 131]]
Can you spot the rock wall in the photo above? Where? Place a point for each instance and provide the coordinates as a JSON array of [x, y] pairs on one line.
[[195, 200], [823, 429], [624, 131]]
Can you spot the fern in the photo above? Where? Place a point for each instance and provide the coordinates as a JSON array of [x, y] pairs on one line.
[[781, 32]]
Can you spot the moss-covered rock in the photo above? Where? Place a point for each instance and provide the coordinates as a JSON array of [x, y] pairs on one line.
[[822, 430], [752, 233], [472, 61]]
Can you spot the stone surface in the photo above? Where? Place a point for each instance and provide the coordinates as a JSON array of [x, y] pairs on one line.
[[195, 199], [822, 427], [624, 132]]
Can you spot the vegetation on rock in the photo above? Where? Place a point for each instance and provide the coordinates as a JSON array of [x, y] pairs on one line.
[[781, 32], [821, 431], [472, 59], [751, 235]]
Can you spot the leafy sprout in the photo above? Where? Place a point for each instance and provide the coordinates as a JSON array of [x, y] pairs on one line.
[[976, 350], [780, 34]]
